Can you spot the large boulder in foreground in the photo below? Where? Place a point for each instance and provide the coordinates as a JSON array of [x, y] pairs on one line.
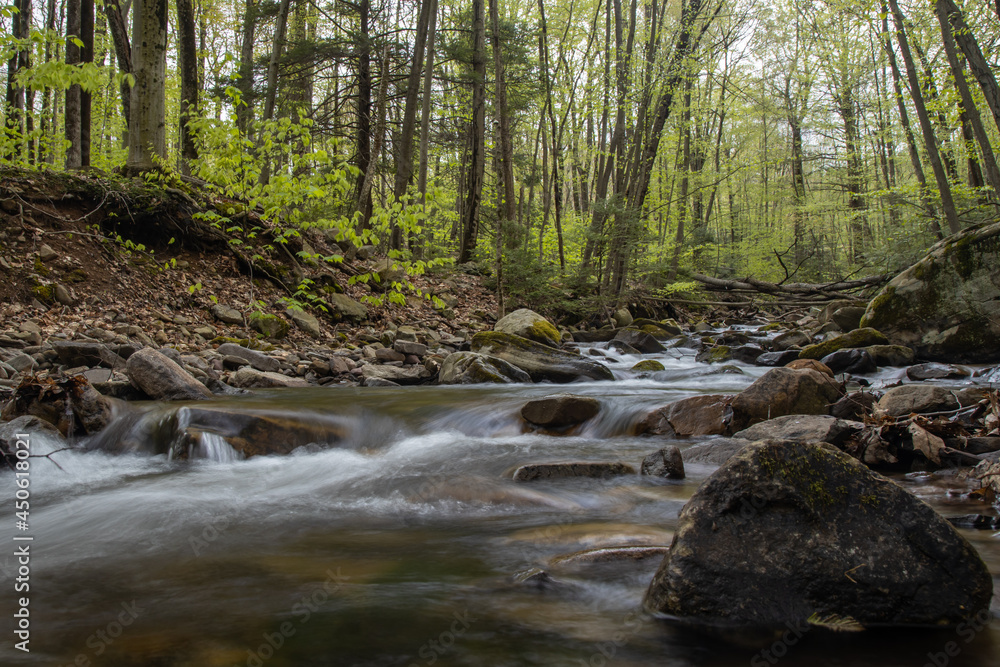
[[539, 361], [529, 324], [784, 531], [947, 305], [784, 391]]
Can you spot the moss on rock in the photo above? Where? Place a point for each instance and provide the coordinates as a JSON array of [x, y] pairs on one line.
[[858, 338]]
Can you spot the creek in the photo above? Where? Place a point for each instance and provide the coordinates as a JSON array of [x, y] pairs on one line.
[[404, 544]]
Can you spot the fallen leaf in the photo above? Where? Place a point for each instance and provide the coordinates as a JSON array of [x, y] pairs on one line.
[[926, 443]]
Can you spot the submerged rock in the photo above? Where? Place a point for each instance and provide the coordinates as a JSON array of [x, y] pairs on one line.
[[537, 360], [529, 324], [665, 463], [785, 531], [599, 469], [639, 340], [560, 411], [475, 368], [947, 305]]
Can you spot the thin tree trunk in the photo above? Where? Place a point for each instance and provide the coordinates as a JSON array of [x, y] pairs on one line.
[[404, 156], [930, 141], [364, 111], [477, 133], [507, 212], [977, 63], [74, 56], [425, 110], [271, 92], [904, 121], [244, 111], [556, 157], [86, 56], [365, 191], [970, 112], [187, 64]]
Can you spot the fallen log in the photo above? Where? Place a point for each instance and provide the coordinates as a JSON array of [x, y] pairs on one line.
[[834, 289]]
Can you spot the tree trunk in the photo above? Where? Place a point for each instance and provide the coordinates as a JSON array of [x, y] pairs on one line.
[[969, 108], [271, 93], [970, 47], [404, 156], [547, 75], [244, 110], [507, 212], [477, 134], [425, 108], [364, 111], [123, 52], [187, 63], [147, 134], [74, 56], [86, 56], [904, 121], [930, 141], [17, 111]]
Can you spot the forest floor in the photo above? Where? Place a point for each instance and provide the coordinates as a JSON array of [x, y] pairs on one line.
[[89, 250]]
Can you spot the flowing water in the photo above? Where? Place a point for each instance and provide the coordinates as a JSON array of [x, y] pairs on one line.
[[404, 544]]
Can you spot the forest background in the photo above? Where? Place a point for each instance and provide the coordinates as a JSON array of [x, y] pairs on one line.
[[573, 150]]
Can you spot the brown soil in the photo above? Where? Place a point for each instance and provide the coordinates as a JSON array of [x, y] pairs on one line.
[[136, 254]]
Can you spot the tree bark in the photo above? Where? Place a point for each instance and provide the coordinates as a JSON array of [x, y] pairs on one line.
[[17, 111], [364, 110], [123, 52], [74, 56], [271, 93], [244, 111], [507, 212], [904, 121], [477, 134], [404, 156], [930, 141], [147, 135], [187, 63], [425, 107]]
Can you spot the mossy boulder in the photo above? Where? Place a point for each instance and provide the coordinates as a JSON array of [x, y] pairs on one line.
[[947, 305], [715, 355], [342, 307], [473, 368], [269, 326], [857, 338], [647, 366], [787, 531], [529, 324], [541, 362]]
